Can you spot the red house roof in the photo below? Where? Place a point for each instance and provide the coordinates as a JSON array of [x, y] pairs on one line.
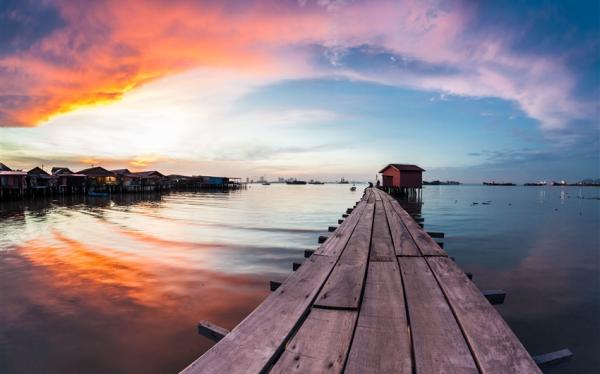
[[403, 167]]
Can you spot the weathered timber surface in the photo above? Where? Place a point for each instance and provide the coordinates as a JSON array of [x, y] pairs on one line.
[[257, 339], [438, 342], [337, 242], [403, 242], [381, 341], [495, 346], [382, 247], [424, 242], [320, 345], [378, 296], [344, 286]]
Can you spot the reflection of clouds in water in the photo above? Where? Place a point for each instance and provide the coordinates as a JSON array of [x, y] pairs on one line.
[[119, 284], [58, 296]]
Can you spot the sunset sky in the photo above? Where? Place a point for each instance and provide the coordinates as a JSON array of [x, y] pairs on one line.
[[312, 89]]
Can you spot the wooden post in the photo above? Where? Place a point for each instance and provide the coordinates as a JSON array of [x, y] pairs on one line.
[[273, 285], [434, 234], [331, 228], [553, 357], [211, 331], [296, 265], [322, 239], [340, 221], [495, 296], [308, 252]]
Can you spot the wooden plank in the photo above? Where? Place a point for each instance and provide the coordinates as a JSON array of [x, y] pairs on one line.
[[211, 331], [337, 241], [426, 245], [382, 247], [381, 342], [252, 345], [438, 342], [495, 346], [320, 345], [404, 244], [371, 198], [344, 286]]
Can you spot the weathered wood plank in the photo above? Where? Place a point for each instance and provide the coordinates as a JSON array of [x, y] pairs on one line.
[[382, 247], [211, 331], [438, 342], [381, 342], [337, 241], [343, 287], [426, 245], [320, 345], [252, 345], [495, 346], [371, 198], [403, 242]]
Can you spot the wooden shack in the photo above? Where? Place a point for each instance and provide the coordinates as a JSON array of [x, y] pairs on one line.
[[67, 181], [128, 181], [99, 179], [152, 180], [402, 179], [38, 180], [13, 183]]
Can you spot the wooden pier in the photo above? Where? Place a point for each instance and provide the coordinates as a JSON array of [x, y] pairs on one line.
[[378, 296]]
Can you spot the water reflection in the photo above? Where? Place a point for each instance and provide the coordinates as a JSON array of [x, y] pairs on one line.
[[118, 285]]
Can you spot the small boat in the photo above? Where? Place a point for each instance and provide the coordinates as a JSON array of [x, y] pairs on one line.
[[353, 188], [499, 183]]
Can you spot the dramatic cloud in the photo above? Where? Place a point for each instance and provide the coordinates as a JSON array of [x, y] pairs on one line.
[[80, 54]]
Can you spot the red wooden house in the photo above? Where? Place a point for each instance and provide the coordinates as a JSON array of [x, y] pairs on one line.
[[402, 178]]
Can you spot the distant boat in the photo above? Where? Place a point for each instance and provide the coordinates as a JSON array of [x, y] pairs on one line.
[[353, 188], [315, 182], [499, 184], [536, 184], [343, 181], [561, 183], [295, 182], [97, 194], [266, 183]]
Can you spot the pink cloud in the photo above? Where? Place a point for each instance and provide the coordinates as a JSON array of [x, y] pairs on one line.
[[111, 47]]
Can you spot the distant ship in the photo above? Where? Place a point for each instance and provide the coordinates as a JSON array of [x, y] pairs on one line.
[[541, 183], [561, 183], [266, 183], [315, 182], [440, 183], [343, 181], [295, 181], [498, 184]]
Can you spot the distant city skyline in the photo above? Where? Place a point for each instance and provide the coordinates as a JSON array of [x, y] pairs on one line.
[[309, 89]]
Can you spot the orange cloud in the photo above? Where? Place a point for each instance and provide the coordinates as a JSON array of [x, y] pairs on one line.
[[108, 48]]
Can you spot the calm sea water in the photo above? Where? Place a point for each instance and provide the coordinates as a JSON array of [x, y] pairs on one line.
[[118, 285]]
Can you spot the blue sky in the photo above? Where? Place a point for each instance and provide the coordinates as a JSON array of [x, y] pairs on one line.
[[469, 91]]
